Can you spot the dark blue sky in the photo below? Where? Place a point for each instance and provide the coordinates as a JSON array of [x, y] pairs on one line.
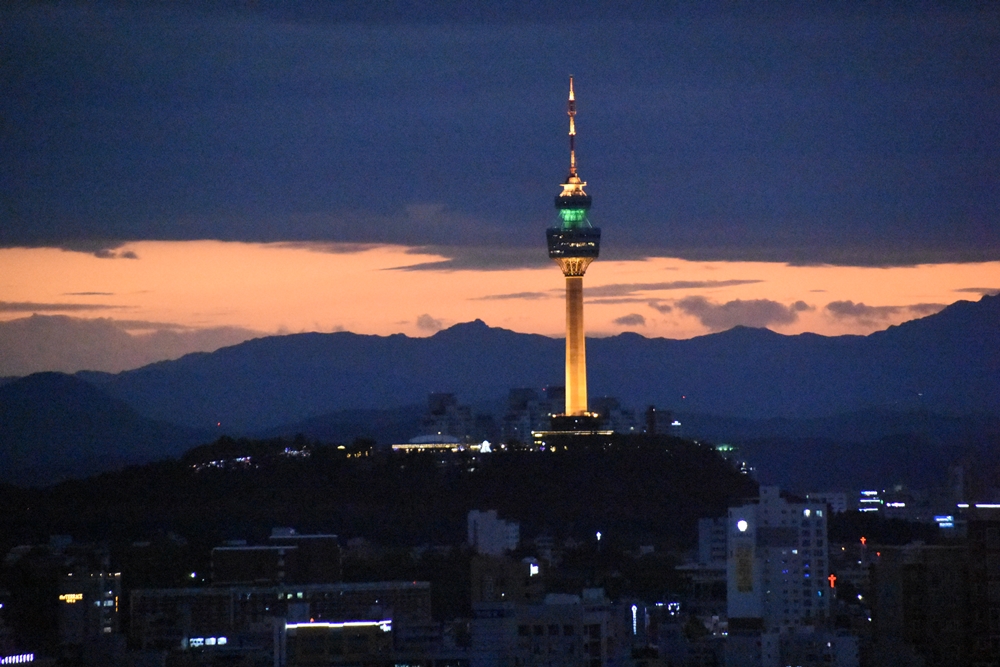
[[846, 136]]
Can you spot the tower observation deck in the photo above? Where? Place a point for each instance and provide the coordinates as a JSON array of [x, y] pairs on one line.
[[573, 245]]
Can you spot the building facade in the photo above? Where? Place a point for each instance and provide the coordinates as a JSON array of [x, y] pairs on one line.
[[776, 567], [490, 535], [244, 618], [563, 631]]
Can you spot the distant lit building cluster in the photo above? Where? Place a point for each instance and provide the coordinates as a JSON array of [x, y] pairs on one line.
[[533, 420]]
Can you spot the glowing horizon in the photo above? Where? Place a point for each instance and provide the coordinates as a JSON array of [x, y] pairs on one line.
[[280, 288]]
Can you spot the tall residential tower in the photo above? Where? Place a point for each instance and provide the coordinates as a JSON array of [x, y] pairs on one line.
[[574, 244]]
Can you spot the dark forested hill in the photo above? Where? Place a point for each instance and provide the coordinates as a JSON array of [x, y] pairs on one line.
[[54, 426], [649, 491]]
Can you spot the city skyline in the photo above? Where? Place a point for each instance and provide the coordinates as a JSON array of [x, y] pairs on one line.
[[401, 488]]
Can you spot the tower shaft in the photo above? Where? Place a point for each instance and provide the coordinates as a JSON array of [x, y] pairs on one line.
[[573, 245], [576, 351]]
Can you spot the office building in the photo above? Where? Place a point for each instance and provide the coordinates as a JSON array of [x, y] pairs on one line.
[[288, 557], [242, 619], [983, 530], [490, 535], [88, 607], [503, 579], [563, 631], [776, 566], [923, 606]]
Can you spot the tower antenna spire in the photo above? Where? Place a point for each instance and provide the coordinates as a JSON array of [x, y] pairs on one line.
[[571, 110]]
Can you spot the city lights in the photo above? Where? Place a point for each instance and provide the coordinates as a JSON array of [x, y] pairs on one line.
[[199, 642], [385, 625]]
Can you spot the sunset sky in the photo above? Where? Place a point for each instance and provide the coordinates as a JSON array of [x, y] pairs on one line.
[[175, 178]]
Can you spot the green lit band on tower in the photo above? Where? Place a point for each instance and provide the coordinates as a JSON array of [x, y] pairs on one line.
[[573, 245]]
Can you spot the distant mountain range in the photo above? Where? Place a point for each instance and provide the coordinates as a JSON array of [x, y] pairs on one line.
[[947, 362], [742, 385]]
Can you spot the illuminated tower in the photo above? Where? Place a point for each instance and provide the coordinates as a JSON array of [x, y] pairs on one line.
[[574, 244]]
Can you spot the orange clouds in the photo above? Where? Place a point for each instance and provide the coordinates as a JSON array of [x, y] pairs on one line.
[[303, 287]]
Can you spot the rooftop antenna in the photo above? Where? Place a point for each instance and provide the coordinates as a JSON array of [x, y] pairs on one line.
[[571, 110]]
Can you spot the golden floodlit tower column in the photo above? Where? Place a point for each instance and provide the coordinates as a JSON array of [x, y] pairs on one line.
[[574, 244]]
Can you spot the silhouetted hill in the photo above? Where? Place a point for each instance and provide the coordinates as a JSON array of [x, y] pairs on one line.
[[874, 448], [641, 491], [861, 426], [948, 362], [908, 458], [870, 448], [54, 426]]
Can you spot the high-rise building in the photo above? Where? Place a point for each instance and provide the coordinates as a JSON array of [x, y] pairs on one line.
[[497, 579], [288, 558], [712, 540], [491, 535], [88, 606], [562, 631], [922, 606], [984, 582], [573, 245], [779, 587], [777, 563]]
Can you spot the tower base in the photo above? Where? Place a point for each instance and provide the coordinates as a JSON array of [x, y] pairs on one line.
[[572, 431], [589, 422]]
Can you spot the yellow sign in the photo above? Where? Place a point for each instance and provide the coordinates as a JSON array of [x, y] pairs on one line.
[[71, 598], [744, 569]]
